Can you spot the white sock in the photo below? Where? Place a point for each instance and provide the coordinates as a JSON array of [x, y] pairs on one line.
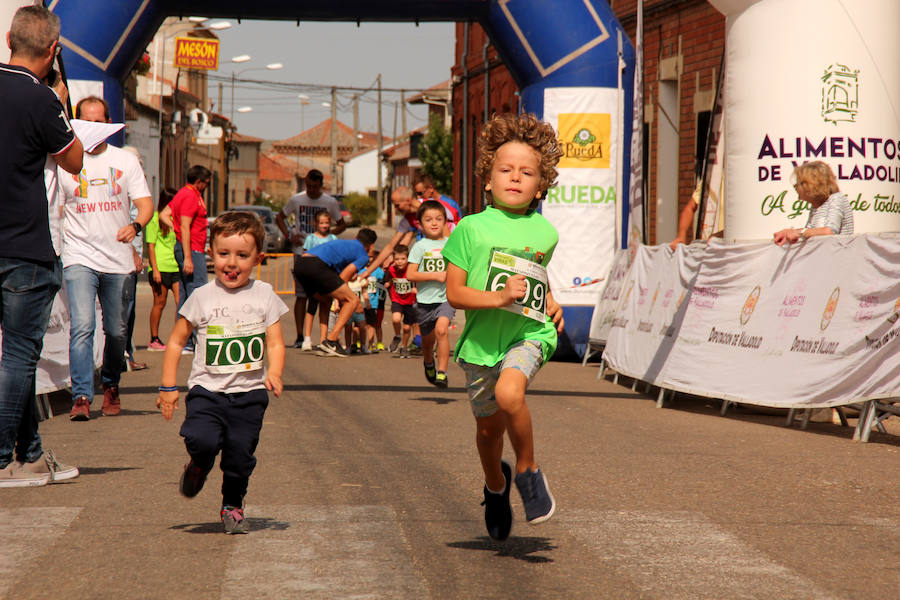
[[307, 338], [500, 493]]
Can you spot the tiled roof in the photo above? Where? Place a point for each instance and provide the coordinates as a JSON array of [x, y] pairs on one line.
[[239, 137], [439, 91], [318, 140]]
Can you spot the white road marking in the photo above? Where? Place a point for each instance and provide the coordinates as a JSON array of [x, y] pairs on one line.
[[684, 555], [26, 534], [342, 552]]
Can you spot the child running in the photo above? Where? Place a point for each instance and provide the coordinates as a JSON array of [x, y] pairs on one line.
[[497, 271], [238, 322], [321, 235], [427, 269], [403, 299], [375, 311]]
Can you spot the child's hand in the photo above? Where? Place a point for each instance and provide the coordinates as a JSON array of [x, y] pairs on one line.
[[514, 290], [167, 403], [274, 385], [441, 277], [554, 311]]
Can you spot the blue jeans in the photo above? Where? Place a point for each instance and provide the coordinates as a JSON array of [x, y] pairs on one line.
[[191, 282], [27, 290], [84, 285]]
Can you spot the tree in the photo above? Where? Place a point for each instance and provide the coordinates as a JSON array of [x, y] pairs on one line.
[[436, 153]]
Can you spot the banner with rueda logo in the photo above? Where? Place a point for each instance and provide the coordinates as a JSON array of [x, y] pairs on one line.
[[583, 204], [816, 324], [827, 94]]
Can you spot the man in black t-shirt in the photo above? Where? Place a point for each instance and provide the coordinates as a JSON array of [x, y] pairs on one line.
[[33, 130]]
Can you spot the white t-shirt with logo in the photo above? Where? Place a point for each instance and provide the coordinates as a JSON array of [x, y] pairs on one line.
[[97, 204], [231, 335], [304, 210]]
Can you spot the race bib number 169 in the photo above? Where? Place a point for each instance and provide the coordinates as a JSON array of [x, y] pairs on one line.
[[502, 266], [235, 348]]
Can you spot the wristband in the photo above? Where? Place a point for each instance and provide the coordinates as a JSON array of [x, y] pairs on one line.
[[168, 388]]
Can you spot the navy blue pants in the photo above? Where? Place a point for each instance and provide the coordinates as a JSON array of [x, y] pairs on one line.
[[226, 423]]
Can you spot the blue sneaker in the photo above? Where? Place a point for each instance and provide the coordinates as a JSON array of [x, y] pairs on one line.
[[539, 503], [497, 512]]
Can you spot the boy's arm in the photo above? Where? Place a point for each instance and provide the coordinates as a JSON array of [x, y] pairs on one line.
[[168, 401], [461, 296], [348, 272], [413, 274], [554, 311], [275, 350]]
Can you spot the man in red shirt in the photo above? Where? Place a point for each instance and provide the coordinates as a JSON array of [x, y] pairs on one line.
[[186, 215]]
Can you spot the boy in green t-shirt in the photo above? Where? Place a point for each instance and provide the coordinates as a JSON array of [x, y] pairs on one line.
[[428, 270], [497, 272]]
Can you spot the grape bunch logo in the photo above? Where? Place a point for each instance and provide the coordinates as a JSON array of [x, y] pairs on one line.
[[830, 308], [750, 305], [584, 139], [840, 94]]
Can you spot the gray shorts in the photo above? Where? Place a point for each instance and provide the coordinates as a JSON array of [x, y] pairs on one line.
[[525, 356], [428, 314]]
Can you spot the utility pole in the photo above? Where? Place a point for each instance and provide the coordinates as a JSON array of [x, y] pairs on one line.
[[402, 113], [356, 122], [380, 191], [395, 121], [219, 105], [334, 139]]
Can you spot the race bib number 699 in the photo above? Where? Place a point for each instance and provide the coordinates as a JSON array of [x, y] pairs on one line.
[[235, 348], [533, 304]]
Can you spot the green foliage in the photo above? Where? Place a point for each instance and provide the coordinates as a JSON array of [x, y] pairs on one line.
[[363, 208], [436, 153]]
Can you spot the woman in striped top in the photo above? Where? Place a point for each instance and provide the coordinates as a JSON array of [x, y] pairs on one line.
[[830, 213]]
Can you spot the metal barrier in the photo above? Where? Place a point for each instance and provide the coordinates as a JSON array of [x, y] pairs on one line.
[[278, 272]]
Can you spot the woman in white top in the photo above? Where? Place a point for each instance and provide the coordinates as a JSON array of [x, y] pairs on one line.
[[830, 213]]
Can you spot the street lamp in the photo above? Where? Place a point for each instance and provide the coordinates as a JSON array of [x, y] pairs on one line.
[[269, 67], [245, 109]]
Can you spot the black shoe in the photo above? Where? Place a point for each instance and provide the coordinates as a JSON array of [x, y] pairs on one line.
[[192, 480], [329, 348], [440, 380], [395, 343], [430, 373], [497, 512]]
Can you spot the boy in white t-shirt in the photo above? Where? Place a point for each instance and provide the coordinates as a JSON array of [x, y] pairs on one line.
[[237, 321]]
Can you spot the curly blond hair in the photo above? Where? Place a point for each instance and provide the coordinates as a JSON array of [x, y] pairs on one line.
[[527, 129], [817, 179]]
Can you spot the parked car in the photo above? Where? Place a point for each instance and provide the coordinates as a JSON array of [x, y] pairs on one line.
[[274, 237]]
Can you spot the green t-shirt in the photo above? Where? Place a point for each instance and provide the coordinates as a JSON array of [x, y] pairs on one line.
[[478, 245], [165, 246], [427, 254]]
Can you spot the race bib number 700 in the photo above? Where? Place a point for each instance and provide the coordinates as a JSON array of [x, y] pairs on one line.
[[235, 348], [504, 265]]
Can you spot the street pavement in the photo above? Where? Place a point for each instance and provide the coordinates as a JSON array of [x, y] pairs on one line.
[[368, 486]]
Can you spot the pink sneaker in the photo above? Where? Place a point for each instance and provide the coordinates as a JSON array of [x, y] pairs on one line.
[[156, 346]]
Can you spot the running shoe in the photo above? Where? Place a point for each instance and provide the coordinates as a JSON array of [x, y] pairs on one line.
[[497, 512], [440, 380], [539, 503], [187, 350], [156, 345], [380, 347], [192, 480], [330, 348], [81, 409], [112, 405], [298, 343], [306, 346], [395, 343], [233, 518], [404, 353], [430, 373]]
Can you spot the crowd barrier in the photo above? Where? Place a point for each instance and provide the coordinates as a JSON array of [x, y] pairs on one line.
[[807, 326]]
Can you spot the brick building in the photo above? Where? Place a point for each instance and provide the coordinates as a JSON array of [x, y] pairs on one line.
[[683, 45]]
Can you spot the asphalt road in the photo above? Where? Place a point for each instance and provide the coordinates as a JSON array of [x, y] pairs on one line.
[[368, 486]]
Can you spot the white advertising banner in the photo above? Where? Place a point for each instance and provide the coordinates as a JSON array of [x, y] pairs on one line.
[[812, 325], [652, 306], [828, 93], [53, 367], [583, 204], [605, 310]]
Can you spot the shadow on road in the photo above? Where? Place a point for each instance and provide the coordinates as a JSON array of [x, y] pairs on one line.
[[104, 470], [521, 548], [256, 524], [436, 399]]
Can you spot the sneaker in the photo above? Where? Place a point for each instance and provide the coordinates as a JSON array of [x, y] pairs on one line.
[[134, 365], [297, 344], [47, 464], [497, 512], [395, 343], [440, 380], [81, 409], [404, 353], [192, 480], [111, 403], [373, 349], [354, 349], [414, 350], [187, 350], [430, 373], [233, 518], [380, 347], [156, 345], [330, 348], [12, 476], [306, 346], [539, 503]]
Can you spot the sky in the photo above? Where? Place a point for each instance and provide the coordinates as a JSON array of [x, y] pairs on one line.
[[317, 56]]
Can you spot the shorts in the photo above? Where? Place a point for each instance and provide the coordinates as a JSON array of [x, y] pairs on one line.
[[358, 318], [408, 311], [372, 316], [168, 279], [314, 276], [525, 356], [428, 314]]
